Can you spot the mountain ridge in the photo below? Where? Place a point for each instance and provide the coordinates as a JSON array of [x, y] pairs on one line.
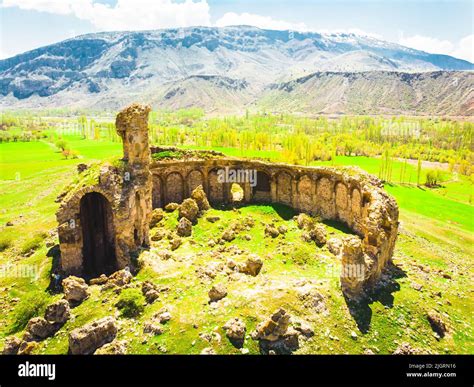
[[111, 68]]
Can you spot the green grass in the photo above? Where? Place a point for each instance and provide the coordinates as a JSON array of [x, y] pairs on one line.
[[435, 232]]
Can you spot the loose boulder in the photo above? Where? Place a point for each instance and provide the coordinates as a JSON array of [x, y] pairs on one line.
[[150, 291], [184, 228], [38, 329], [318, 234], [200, 198], [170, 207], [251, 266], [436, 322], [87, 339], [156, 216], [275, 335], [120, 278], [189, 210], [58, 313], [75, 289], [235, 331], [271, 231], [217, 292], [12, 345]]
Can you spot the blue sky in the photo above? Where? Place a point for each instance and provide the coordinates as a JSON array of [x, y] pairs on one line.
[[441, 26]]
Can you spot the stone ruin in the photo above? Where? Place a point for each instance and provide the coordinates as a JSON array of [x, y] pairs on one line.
[[104, 218]]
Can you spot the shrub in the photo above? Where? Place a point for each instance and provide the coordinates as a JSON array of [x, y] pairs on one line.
[[5, 242], [62, 145], [31, 305], [131, 302], [32, 244]]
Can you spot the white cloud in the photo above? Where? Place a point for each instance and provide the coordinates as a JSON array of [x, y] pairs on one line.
[[463, 49], [265, 22], [126, 14]]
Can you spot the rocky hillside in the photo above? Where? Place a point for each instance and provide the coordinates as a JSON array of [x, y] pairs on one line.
[[219, 69], [375, 92]]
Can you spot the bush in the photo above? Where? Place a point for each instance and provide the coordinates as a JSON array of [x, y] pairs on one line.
[[5, 242], [31, 305], [32, 244], [61, 144], [131, 302], [434, 177]]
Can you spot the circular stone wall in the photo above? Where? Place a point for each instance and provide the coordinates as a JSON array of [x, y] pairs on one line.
[[348, 195]]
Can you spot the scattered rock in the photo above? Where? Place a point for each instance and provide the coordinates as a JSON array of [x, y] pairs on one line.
[[163, 316], [334, 246], [273, 328], [12, 345], [251, 266], [90, 337], [200, 198], [175, 243], [228, 235], [113, 348], [305, 329], [217, 292], [27, 347], [153, 328], [353, 335], [318, 234], [170, 207], [282, 229], [208, 351], [75, 289], [304, 221], [120, 278], [213, 219], [235, 331], [189, 210], [150, 291], [58, 313], [184, 228], [271, 231], [156, 216], [437, 324], [38, 329], [405, 349], [99, 281], [157, 234]]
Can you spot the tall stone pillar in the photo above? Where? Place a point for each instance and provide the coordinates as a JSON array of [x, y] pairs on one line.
[[136, 203]]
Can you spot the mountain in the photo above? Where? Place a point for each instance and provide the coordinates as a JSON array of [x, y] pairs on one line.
[[219, 69], [375, 92]]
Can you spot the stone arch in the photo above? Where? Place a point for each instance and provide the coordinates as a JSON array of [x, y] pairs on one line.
[[262, 190], [98, 235], [284, 189], [216, 188], [342, 202], [157, 192], [194, 179], [305, 190], [356, 203], [174, 188], [325, 189]]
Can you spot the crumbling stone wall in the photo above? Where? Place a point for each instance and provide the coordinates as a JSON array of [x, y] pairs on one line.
[[348, 195], [137, 185], [128, 189]]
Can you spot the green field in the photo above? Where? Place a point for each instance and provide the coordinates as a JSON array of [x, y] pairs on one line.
[[435, 242]]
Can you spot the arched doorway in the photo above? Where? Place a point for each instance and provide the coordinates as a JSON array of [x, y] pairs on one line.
[[98, 236]]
